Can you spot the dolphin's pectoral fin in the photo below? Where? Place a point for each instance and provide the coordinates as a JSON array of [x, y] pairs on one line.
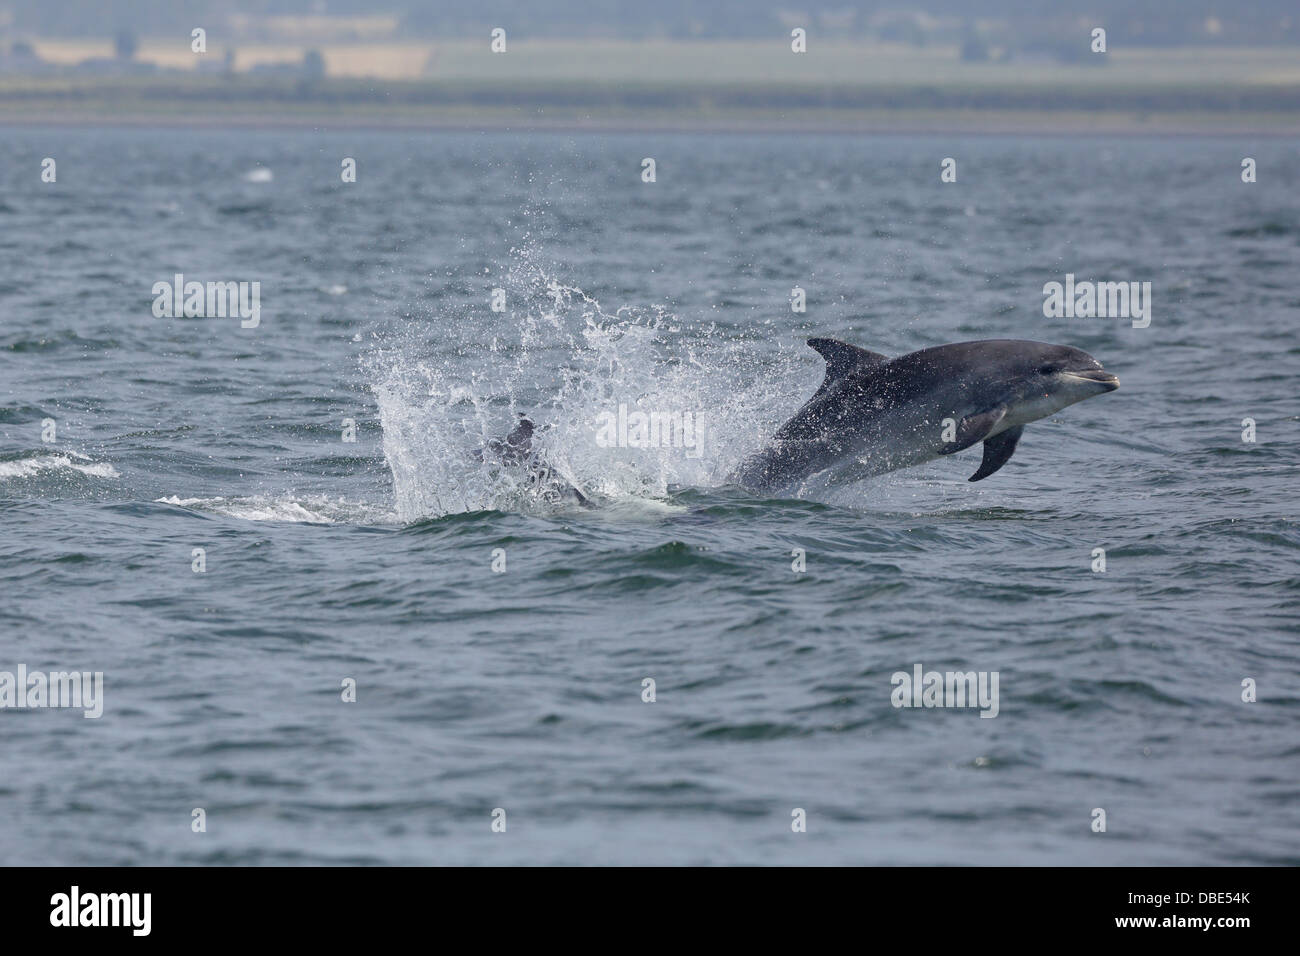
[[843, 359], [973, 428], [997, 452]]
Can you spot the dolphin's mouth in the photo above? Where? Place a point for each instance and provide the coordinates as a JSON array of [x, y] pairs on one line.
[[1097, 376]]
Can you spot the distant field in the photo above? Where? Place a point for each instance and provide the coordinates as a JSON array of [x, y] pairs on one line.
[[606, 82]]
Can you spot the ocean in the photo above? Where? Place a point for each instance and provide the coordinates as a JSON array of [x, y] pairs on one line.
[[331, 632]]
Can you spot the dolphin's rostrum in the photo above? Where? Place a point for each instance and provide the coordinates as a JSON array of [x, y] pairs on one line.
[[880, 414]]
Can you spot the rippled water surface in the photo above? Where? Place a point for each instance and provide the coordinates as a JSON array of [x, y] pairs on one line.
[[521, 688]]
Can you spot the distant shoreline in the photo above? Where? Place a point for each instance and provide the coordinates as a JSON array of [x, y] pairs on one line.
[[609, 86]]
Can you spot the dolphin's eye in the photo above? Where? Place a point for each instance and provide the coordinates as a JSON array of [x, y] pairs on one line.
[[1046, 370]]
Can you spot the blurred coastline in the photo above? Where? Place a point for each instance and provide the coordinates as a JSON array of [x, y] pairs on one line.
[[857, 85]]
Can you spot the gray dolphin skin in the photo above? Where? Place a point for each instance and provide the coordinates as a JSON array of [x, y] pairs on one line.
[[515, 450], [873, 414]]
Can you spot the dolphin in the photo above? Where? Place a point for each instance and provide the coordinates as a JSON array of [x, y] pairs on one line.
[[882, 414], [515, 450]]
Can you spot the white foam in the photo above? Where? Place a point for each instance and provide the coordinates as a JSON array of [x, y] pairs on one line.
[[309, 510], [25, 467]]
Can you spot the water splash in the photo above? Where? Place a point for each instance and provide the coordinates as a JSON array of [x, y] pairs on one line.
[[558, 356], [31, 464]]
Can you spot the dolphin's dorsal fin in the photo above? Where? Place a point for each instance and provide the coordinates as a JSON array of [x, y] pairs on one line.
[[843, 359]]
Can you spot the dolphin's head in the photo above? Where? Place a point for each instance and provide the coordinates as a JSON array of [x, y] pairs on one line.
[[1042, 379]]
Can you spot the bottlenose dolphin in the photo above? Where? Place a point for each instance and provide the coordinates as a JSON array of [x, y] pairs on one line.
[[880, 414], [516, 451]]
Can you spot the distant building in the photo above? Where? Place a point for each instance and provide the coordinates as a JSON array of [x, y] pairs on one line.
[[124, 45], [21, 57]]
